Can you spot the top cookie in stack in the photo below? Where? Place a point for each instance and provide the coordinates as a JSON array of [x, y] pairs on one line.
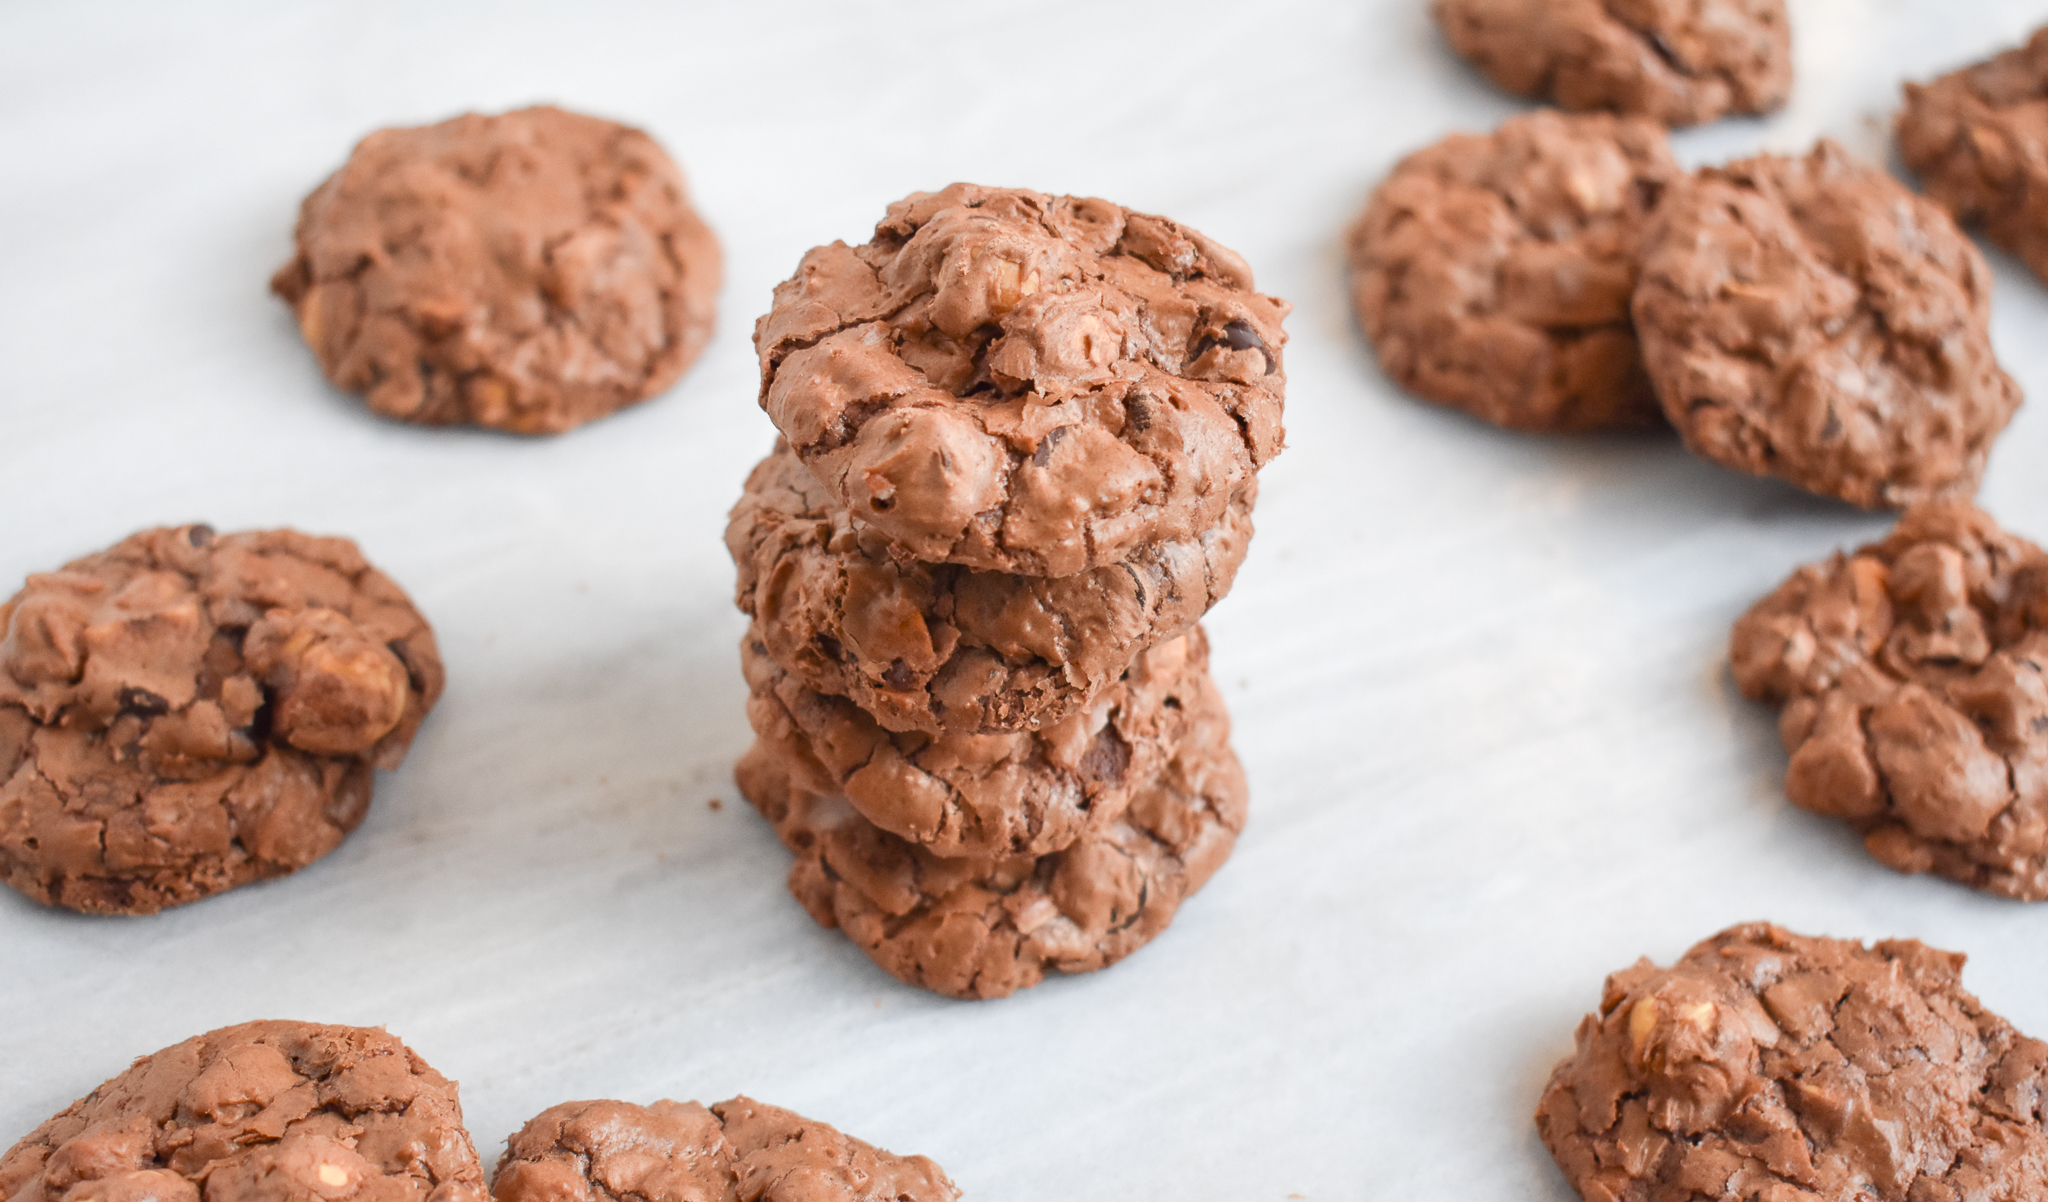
[[1020, 444], [1026, 431]]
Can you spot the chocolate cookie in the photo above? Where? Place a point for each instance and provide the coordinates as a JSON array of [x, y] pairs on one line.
[[1811, 319], [530, 271], [987, 927], [1026, 383], [1680, 62], [1978, 139], [1493, 272], [997, 794], [1772, 1066], [737, 1151], [943, 648], [1914, 676], [186, 712], [262, 1112]]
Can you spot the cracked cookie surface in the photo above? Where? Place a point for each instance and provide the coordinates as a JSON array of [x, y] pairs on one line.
[[261, 1112], [1784, 1068], [529, 271], [1003, 793], [949, 649], [1025, 383], [186, 712], [1678, 62], [1914, 680], [1812, 320], [738, 1150], [1978, 140], [1493, 272], [985, 927]]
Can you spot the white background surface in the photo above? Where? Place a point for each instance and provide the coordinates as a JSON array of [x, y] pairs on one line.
[[1478, 678]]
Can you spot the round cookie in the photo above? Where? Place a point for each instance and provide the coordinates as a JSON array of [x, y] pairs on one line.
[[987, 927], [187, 712], [1025, 383], [530, 271], [1678, 62], [1493, 272], [999, 794], [1772, 1066], [262, 1112], [681, 1152], [944, 648], [1978, 140], [1914, 680], [1812, 320]]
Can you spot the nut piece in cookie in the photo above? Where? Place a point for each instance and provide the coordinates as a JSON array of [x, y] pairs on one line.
[[531, 271], [1978, 139], [262, 1112], [1677, 62], [985, 927], [1493, 272], [1914, 680], [187, 712], [1812, 320], [947, 649], [997, 794], [1025, 383], [736, 1151], [1772, 1066]]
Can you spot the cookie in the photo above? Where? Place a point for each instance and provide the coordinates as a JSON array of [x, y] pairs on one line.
[[736, 1151], [262, 1112], [1914, 680], [1812, 320], [997, 794], [530, 272], [1493, 272], [1772, 1066], [943, 648], [1679, 62], [1978, 140], [973, 927], [187, 712], [1025, 383]]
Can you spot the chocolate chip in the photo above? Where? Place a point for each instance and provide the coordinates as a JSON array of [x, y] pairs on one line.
[[1107, 757], [143, 702], [1239, 335], [899, 675], [199, 535], [1043, 454]]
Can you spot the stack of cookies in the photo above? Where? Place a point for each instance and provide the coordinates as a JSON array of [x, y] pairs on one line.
[[1020, 438]]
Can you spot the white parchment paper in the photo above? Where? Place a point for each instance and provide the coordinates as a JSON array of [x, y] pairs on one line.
[[1478, 678]]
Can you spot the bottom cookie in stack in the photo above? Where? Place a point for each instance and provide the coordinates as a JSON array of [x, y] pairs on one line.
[[987, 926]]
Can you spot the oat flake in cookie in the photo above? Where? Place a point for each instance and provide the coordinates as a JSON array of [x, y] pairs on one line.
[[187, 712], [1493, 272], [1774, 1067], [1678, 62], [530, 271], [1026, 383], [985, 927], [949, 649], [1978, 139], [1812, 320], [262, 1112], [735, 1151], [1914, 680]]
